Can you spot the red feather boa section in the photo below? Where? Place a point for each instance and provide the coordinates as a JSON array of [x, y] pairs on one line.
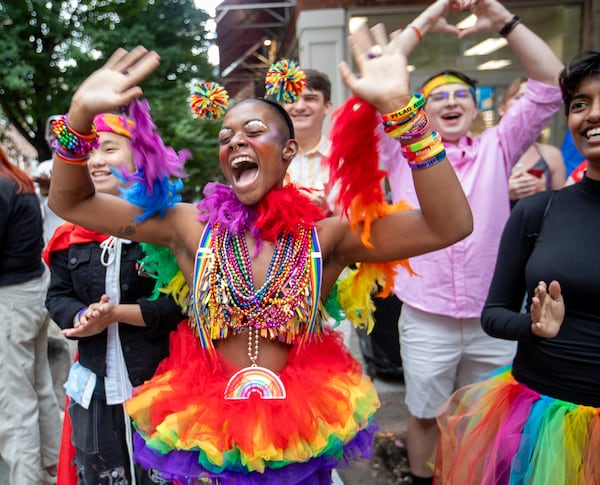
[[354, 169], [283, 210]]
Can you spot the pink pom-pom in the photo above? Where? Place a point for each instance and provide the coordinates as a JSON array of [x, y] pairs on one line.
[[285, 80], [209, 100]]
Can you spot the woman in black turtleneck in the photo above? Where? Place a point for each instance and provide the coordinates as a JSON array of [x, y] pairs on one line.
[[538, 422]]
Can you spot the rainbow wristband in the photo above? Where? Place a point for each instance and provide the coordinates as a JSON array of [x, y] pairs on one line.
[[417, 124], [427, 153], [71, 161], [390, 124], [420, 145], [416, 102], [415, 133], [428, 163]]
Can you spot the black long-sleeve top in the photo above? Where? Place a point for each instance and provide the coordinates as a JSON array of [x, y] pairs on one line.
[[567, 366], [21, 240], [78, 279]]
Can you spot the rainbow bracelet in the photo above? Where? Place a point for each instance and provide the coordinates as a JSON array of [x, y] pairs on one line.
[[416, 102], [429, 152], [418, 123], [71, 141], [429, 162], [420, 145]]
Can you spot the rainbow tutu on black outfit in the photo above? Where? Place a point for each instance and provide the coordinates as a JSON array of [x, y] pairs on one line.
[[500, 432]]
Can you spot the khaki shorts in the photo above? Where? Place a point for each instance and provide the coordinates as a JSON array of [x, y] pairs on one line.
[[441, 354]]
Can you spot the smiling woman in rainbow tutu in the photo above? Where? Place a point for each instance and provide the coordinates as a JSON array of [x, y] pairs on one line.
[[256, 388]]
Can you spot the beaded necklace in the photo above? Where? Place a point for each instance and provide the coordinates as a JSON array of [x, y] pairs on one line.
[[232, 292]]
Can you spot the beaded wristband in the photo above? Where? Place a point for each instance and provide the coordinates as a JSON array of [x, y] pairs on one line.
[[416, 102], [420, 145], [71, 141], [430, 162]]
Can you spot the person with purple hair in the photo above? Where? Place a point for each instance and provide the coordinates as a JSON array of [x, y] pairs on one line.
[[256, 389], [100, 295]]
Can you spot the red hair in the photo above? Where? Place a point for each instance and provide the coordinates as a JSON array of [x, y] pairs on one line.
[[11, 171]]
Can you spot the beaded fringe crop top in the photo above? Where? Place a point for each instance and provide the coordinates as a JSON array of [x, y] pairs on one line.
[[225, 302]]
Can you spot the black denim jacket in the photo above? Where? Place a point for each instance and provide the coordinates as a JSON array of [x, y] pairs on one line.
[[78, 279]]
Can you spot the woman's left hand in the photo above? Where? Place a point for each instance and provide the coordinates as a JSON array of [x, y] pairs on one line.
[[547, 310]]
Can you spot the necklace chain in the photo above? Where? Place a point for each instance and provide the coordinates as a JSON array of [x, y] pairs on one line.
[[253, 353]]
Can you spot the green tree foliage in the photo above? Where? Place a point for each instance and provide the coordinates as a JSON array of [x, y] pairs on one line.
[[48, 47]]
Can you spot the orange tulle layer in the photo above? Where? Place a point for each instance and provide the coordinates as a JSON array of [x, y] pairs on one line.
[[329, 401]]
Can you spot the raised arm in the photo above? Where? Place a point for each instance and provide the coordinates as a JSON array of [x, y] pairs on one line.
[[72, 194], [492, 16], [432, 19], [444, 216]]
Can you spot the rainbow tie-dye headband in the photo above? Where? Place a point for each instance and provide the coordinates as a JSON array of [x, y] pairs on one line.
[[441, 80], [114, 123]]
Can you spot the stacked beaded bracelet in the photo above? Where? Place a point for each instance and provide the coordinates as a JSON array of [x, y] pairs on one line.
[[70, 146]]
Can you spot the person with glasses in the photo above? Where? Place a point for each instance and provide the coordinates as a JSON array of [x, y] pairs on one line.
[[442, 343]]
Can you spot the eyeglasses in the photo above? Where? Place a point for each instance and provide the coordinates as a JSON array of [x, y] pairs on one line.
[[444, 95]]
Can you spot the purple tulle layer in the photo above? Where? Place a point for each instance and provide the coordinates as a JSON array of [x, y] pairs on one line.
[[183, 466]]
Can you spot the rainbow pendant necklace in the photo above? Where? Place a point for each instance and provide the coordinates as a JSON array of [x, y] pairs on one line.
[[254, 380], [269, 307]]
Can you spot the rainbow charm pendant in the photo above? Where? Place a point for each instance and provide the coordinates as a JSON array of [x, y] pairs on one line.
[[254, 380]]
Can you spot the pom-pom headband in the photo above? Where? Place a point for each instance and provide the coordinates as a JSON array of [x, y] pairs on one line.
[[284, 82]]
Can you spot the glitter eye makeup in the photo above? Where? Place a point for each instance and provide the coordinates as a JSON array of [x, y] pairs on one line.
[[255, 124]]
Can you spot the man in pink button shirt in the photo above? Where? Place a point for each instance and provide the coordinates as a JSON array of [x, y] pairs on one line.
[[443, 345]]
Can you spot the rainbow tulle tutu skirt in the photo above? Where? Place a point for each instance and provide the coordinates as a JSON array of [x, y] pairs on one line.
[[187, 431], [500, 432]]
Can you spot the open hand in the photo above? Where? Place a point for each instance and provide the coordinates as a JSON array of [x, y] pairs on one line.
[[383, 80], [547, 310], [113, 85]]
